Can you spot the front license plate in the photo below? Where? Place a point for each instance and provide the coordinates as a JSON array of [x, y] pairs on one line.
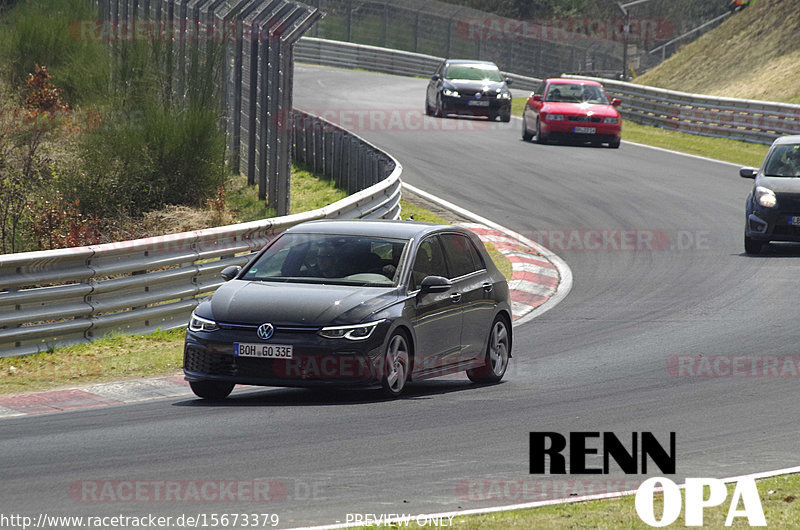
[[478, 103], [584, 130], [794, 220], [267, 351]]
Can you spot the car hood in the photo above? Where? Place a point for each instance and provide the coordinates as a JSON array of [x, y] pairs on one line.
[[462, 84], [295, 304], [580, 109], [780, 184]]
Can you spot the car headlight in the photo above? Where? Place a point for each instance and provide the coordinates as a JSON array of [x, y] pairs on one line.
[[613, 121], [197, 323], [451, 93], [766, 197], [504, 95], [554, 117], [356, 332]]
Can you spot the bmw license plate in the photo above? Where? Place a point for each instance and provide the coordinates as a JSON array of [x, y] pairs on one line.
[[794, 220], [584, 130], [267, 351], [478, 103]]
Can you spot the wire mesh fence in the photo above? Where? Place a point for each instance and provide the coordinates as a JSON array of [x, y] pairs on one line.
[[534, 48], [237, 53]]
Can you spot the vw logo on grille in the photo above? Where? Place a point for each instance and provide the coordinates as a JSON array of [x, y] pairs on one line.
[[265, 331], [478, 95]]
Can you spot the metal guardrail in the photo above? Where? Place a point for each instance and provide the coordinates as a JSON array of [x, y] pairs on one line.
[[739, 119], [346, 54], [73, 295]]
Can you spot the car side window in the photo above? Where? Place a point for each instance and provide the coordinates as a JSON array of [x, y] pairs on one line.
[[540, 89], [429, 261], [462, 256]]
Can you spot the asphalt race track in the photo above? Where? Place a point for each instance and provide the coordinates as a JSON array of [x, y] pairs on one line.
[[603, 360]]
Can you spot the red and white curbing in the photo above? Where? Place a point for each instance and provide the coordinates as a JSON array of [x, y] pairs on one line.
[[99, 395], [534, 278]]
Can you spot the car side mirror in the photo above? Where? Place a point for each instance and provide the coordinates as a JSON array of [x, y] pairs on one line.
[[748, 172], [616, 102], [537, 97], [434, 284], [509, 80], [436, 77], [231, 272]]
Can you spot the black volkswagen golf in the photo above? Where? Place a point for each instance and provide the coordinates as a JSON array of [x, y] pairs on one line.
[[773, 207], [371, 304], [474, 88]]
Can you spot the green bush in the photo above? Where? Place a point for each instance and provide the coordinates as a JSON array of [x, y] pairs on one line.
[[150, 159], [153, 147], [41, 32]]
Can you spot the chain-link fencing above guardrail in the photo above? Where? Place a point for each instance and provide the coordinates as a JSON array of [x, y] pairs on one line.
[[534, 47], [67, 296]]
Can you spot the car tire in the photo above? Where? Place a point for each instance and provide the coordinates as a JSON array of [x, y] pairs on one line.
[[505, 117], [753, 246], [614, 144], [428, 109], [211, 390], [396, 364], [540, 137], [527, 136], [437, 110], [498, 352]]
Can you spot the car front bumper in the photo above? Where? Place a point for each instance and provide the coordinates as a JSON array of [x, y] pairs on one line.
[[764, 224], [585, 131], [316, 361], [469, 105]]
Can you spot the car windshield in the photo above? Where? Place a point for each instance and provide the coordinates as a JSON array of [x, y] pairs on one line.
[[330, 259], [473, 72], [577, 93], [783, 161]]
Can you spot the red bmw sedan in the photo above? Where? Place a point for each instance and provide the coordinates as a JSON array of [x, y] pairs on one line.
[[575, 109]]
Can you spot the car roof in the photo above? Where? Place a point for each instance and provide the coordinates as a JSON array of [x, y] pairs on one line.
[[369, 227], [792, 139], [570, 81], [470, 61]]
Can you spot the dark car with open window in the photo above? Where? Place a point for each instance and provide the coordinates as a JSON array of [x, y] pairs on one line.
[[354, 304], [772, 211]]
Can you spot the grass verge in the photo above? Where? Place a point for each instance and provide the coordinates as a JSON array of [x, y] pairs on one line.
[[112, 358], [743, 153]]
